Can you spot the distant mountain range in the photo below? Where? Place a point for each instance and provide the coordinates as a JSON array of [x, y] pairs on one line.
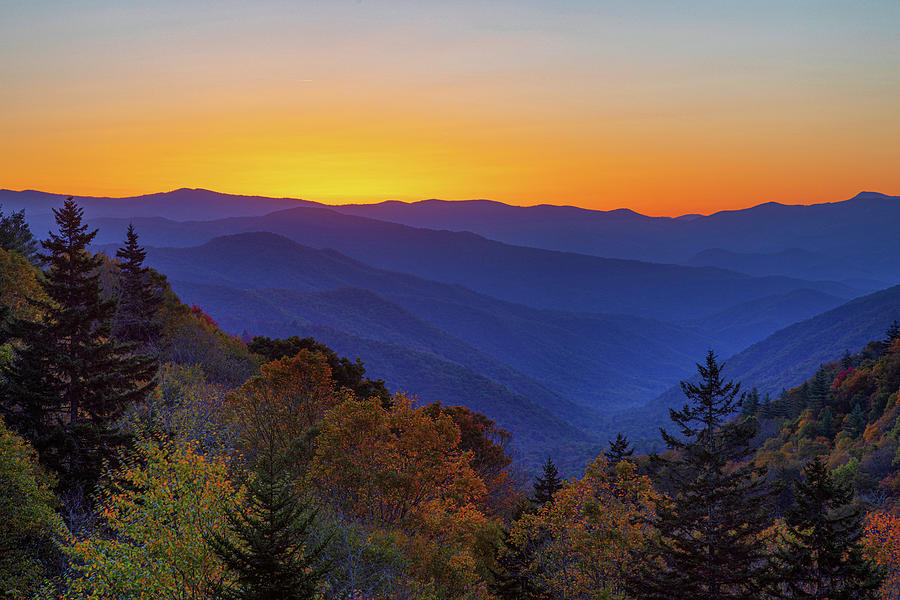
[[851, 239], [540, 317], [590, 358], [857, 234]]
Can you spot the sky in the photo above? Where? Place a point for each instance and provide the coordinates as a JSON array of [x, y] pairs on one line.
[[663, 107]]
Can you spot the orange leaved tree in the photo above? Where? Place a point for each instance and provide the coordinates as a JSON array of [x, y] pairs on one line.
[[276, 410], [399, 471]]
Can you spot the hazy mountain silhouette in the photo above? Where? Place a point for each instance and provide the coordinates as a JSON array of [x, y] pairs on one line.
[[594, 360], [362, 314], [182, 205], [852, 239], [536, 277], [859, 228]]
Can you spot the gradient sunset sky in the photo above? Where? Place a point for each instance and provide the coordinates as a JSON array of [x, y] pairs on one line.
[[662, 107]]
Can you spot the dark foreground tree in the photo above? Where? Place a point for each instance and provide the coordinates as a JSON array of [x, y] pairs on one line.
[[272, 555], [70, 380], [511, 579], [711, 543], [822, 558], [140, 295], [547, 484]]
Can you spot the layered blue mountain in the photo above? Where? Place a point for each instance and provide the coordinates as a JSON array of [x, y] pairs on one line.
[[535, 277], [262, 282], [564, 347], [855, 237]]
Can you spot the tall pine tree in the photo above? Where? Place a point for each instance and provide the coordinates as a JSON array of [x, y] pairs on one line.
[[821, 557], [711, 542], [547, 484], [819, 392], [140, 295], [70, 379]]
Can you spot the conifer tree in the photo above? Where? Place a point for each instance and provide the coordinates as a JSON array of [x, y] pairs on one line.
[[892, 333], [511, 579], [765, 409], [619, 449], [711, 542], [546, 486], [751, 403], [821, 557], [70, 380], [140, 300], [274, 556], [846, 360], [818, 393], [855, 422]]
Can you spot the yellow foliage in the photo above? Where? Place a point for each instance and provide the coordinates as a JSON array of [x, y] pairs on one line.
[[583, 539], [157, 506], [400, 469], [18, 283]]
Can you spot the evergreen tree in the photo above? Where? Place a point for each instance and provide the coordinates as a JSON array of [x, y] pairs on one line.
[[70, 380], [619, 449], [798, 402], [892, 333], [766, 410], [274, 556], [821, 557], [546, 486], [511, 579], [846, 360], [140, 296], [15, 235], [855, 422], [818, 393], [711, 542], [751, 403]]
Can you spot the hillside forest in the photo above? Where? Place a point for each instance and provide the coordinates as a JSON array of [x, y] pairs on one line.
[[146, 453]]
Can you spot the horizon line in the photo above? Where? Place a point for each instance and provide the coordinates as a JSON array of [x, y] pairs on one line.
[[411, 202]]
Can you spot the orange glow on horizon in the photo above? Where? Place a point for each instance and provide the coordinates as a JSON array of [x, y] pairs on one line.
[[665, 112]]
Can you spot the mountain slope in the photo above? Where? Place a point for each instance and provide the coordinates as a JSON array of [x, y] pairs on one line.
[[739, 326], [594, 360], [793, 354], [363, 314]]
